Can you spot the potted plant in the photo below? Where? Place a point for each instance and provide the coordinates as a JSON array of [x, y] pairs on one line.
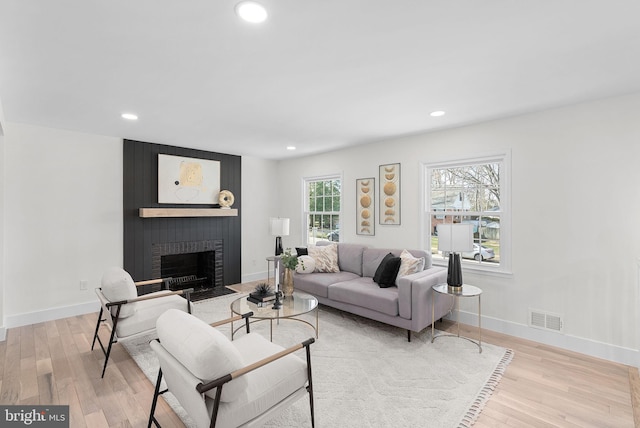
[[290, 263]]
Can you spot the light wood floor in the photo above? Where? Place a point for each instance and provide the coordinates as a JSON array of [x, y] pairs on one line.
[[52, 363]]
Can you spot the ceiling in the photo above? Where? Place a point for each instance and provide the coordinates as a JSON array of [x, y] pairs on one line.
[[318, 74]]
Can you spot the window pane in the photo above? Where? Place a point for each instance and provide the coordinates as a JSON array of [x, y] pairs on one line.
[[324, 206], [467, 189]]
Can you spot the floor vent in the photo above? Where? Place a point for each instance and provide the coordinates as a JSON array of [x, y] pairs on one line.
[[545, 320]]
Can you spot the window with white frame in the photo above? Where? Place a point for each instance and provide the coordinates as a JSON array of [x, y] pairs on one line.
[[473, 191], [322, 208]]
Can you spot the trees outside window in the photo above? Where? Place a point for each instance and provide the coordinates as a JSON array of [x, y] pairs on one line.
[[322, 208], [470, 191]]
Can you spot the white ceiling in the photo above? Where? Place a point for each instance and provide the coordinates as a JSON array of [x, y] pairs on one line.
[[319, 74]]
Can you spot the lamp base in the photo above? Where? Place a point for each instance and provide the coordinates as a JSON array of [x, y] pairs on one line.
[[277, 304], [278, 245], [454, 273]]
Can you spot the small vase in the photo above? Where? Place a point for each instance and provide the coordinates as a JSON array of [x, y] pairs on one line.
[[287, 283]]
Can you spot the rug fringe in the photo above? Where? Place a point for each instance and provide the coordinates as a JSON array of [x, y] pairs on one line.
[[485, 393]]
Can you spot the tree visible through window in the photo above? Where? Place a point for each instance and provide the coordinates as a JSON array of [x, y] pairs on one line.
[[322, 209], [468, 193]]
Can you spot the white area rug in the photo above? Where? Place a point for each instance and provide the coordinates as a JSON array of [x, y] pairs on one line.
[[366, 374]]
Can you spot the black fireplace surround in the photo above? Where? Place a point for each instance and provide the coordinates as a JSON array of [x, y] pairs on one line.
[[147, 240]]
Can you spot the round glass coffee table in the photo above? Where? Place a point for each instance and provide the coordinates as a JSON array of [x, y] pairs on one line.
[[292, 308]]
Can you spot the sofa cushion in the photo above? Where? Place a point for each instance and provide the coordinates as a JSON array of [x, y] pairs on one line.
[[366, 293], [387, 272], [326, 257], [350, 257], [318, 283], [306, 265], [409, 264], [202, 349], [301, 251]]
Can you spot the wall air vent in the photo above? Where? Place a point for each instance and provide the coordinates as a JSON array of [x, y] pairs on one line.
[[545, 321]]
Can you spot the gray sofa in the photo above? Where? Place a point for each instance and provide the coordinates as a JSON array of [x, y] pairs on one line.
[[407, 305]]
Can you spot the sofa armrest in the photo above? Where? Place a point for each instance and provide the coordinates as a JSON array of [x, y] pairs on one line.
[[415, 293]]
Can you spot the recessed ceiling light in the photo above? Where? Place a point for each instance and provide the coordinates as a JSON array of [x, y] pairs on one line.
[[251, 11], [129, 116], [291, 147], [437, 113]]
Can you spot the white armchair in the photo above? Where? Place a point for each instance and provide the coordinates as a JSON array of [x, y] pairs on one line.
[[127, 313], [227, 384]]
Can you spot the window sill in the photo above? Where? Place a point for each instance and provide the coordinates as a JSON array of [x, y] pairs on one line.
[[486, 269]]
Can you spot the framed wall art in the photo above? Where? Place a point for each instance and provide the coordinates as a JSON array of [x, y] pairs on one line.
[[389, 194], [184, 180], [366, 211]]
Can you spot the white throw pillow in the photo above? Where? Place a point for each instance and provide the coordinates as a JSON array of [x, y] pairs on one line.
[[325, 257], [409, 264], [306, 264], [203, 350], [117, 285]]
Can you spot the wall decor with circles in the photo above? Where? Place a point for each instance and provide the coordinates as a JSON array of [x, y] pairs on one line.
[[366, 207], [389, 194]]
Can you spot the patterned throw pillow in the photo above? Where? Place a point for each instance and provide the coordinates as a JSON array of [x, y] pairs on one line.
[[326, 257], [409, 264], [306, 264]]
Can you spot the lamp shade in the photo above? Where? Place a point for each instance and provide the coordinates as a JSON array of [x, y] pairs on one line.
[[455, 237], [279, 226]]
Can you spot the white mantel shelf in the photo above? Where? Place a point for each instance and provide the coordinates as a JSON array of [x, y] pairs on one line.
[[187, 212]]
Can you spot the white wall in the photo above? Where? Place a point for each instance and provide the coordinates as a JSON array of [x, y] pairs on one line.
[[63, 211], [575, 205], [259, 202]]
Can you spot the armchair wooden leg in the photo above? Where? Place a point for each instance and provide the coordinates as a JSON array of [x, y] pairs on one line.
[[408, 335], [95, 335]]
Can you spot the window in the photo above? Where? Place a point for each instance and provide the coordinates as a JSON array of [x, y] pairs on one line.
[[471, 191], [322, 208]]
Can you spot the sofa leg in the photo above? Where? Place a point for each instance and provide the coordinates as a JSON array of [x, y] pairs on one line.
[[408, 335]]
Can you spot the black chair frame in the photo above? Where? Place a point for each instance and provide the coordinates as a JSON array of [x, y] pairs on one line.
[[220, 382], [114, 318]]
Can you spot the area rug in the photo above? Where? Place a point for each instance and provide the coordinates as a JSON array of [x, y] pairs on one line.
[[366, 374]]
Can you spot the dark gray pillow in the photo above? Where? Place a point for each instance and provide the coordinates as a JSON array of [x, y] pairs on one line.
[[302, 251], [376, 276], [387, 271]]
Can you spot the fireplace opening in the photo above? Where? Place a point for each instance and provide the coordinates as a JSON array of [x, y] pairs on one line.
[[194, 264], [191, 270]]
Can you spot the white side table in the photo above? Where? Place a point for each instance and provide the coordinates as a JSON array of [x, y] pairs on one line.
[[456, 293]]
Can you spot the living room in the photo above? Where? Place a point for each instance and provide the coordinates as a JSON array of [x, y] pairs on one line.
[[574, 240]]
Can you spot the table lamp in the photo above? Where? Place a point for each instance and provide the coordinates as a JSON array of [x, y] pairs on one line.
[[279, 228], [455, 238]]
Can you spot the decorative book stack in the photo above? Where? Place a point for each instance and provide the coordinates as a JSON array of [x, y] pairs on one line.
[[262, 299]]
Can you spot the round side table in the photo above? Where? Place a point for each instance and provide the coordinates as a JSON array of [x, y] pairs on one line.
[[456, 293]]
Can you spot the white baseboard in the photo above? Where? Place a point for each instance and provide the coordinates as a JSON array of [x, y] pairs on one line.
[[50, 314], [254, 277], [589, 347]]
